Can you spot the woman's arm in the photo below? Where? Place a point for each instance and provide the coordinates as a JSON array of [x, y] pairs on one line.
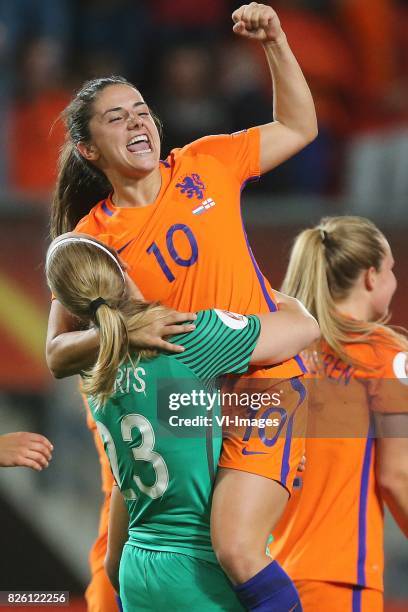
[[392, 464], [117, 536], [70, 350], [284, 333], [295, 123]]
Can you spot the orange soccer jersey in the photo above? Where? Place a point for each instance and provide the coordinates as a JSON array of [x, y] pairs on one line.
[[332, 530], [189, 250]]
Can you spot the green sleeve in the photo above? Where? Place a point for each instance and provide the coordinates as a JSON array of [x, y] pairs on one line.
[[222, 343]]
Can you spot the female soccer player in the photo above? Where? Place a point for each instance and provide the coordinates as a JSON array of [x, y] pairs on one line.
[[164, 476], [177, 224], [331, 539], [25, 449]]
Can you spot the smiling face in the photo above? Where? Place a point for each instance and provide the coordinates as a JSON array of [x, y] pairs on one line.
[[124, 137]]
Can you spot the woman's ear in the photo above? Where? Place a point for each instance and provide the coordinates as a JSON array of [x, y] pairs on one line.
[[370, 278], [89, 152]]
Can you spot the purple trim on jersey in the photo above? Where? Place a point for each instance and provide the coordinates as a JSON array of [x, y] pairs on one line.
[[261, 279], [122, 248], [286, 452], [107, 210], [118, 601], [250, 179], [271, 304], [300, 363], [362, 512], [165, 163], [299, 387], [356, 601]]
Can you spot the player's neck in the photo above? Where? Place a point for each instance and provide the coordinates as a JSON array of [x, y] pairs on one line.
[[137, 193], [356, 306]]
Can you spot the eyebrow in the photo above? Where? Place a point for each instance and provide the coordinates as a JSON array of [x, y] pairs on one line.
[[119, 108]]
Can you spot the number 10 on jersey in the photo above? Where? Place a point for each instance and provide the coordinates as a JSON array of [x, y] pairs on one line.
[[176, 257]]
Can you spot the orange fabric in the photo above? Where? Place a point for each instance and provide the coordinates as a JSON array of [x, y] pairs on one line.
[[200, 252], [98, 550], [370, 25], [34, 128], [320, 48], [332, 529], [100, 595], [278, 454], [336, 597], [187, 257], [267, 463]]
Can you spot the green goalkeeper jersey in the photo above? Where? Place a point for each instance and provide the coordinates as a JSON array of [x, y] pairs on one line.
[[162, 435]]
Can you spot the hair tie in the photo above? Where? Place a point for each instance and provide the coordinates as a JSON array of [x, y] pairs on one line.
[[94, 305], [323, 235]]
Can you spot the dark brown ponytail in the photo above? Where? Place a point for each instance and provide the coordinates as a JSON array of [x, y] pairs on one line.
[[79, 187]]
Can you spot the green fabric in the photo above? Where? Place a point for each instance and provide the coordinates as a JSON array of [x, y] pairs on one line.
[[158, 581], [166, 472], [214, 348]]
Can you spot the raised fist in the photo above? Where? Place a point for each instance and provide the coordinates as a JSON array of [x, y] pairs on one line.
[[257, 21]]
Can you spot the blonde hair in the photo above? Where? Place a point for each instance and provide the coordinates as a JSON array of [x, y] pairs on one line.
[[81, 270], [324, 265]]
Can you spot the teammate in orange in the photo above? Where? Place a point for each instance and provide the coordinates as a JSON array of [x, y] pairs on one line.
[[25, 449], [330, 539], [177, 224]]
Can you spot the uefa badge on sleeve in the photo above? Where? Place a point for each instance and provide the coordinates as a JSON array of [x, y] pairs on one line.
[[400, 367]]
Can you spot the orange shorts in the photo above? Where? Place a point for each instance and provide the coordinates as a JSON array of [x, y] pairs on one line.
[[100, 595], [268, 441], [319, 596]]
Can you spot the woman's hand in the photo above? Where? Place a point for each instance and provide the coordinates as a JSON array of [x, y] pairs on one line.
[[153, 336], [24, 449], [258, 22], [284, 333]]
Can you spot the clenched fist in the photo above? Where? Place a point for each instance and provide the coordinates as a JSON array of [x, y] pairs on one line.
[[257, 21]]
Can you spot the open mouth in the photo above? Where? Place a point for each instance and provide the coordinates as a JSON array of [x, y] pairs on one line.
[[139, 145]]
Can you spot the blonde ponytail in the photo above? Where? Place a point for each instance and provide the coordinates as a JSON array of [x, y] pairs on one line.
[[324, 264], [81, 273], [113, 349]]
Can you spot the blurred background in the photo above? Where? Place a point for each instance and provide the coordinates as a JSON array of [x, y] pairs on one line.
[[199, 79]]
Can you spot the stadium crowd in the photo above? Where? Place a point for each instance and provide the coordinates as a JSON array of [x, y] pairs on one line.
[[354, 55]]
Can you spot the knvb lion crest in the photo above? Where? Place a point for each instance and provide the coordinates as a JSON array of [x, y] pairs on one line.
[[192, 186]]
